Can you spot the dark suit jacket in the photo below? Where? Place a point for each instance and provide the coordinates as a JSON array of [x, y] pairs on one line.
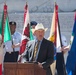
[[45, 56]]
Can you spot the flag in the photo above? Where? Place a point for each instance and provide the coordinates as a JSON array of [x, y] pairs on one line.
[[0, 27], [4, 26], [52, 36], [71, 59], [26, 32], [55, 35], [4, 32], [7, 33], [1, 23], [31, 34]]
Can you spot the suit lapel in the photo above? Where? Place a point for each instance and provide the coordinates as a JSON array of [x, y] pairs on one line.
[[33, 45]]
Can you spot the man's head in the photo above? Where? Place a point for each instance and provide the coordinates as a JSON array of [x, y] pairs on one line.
[[12, 25], [39, 31], [33, 24]]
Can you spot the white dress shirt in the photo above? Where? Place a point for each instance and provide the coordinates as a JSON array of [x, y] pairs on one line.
[[64, 43], [16, 38]]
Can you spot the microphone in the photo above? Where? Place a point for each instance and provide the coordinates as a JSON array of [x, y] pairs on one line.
[[20, 56], [29, 47]]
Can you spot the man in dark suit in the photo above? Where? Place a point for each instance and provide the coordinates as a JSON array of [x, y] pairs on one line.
[[45, 53]]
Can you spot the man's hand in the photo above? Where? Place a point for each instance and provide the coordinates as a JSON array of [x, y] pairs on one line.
[[65, 49], [16, 45], [13, 46], [40, 65]]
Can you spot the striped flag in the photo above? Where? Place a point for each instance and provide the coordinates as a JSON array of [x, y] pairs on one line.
[[55, 35], [4, 26], [53, 29]]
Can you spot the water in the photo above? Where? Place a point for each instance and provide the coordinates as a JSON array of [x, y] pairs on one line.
[[66, 21]]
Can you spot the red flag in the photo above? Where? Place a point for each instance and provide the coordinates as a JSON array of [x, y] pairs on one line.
[[26, 31]]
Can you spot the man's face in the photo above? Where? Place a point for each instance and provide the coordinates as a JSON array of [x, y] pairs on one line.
[[12, 28], [39, 34], [33, 26]]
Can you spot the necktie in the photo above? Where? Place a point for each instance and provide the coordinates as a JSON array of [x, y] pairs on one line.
[[35, 50]]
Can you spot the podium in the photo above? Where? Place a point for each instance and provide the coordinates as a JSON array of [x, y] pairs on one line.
[[23, 69]]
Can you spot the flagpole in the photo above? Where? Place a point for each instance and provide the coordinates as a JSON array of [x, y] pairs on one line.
[[61, 46]]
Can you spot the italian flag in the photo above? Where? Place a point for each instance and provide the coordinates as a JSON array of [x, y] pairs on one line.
[[5, 33]]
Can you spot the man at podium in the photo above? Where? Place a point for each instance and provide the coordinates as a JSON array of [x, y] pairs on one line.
[[39, 50]]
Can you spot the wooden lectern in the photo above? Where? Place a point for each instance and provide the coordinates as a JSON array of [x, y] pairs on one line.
[[23, 69]]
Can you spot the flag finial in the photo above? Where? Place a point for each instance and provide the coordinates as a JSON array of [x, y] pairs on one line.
[[55, 3], [5, 2], [5, 7], [26, 2]]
